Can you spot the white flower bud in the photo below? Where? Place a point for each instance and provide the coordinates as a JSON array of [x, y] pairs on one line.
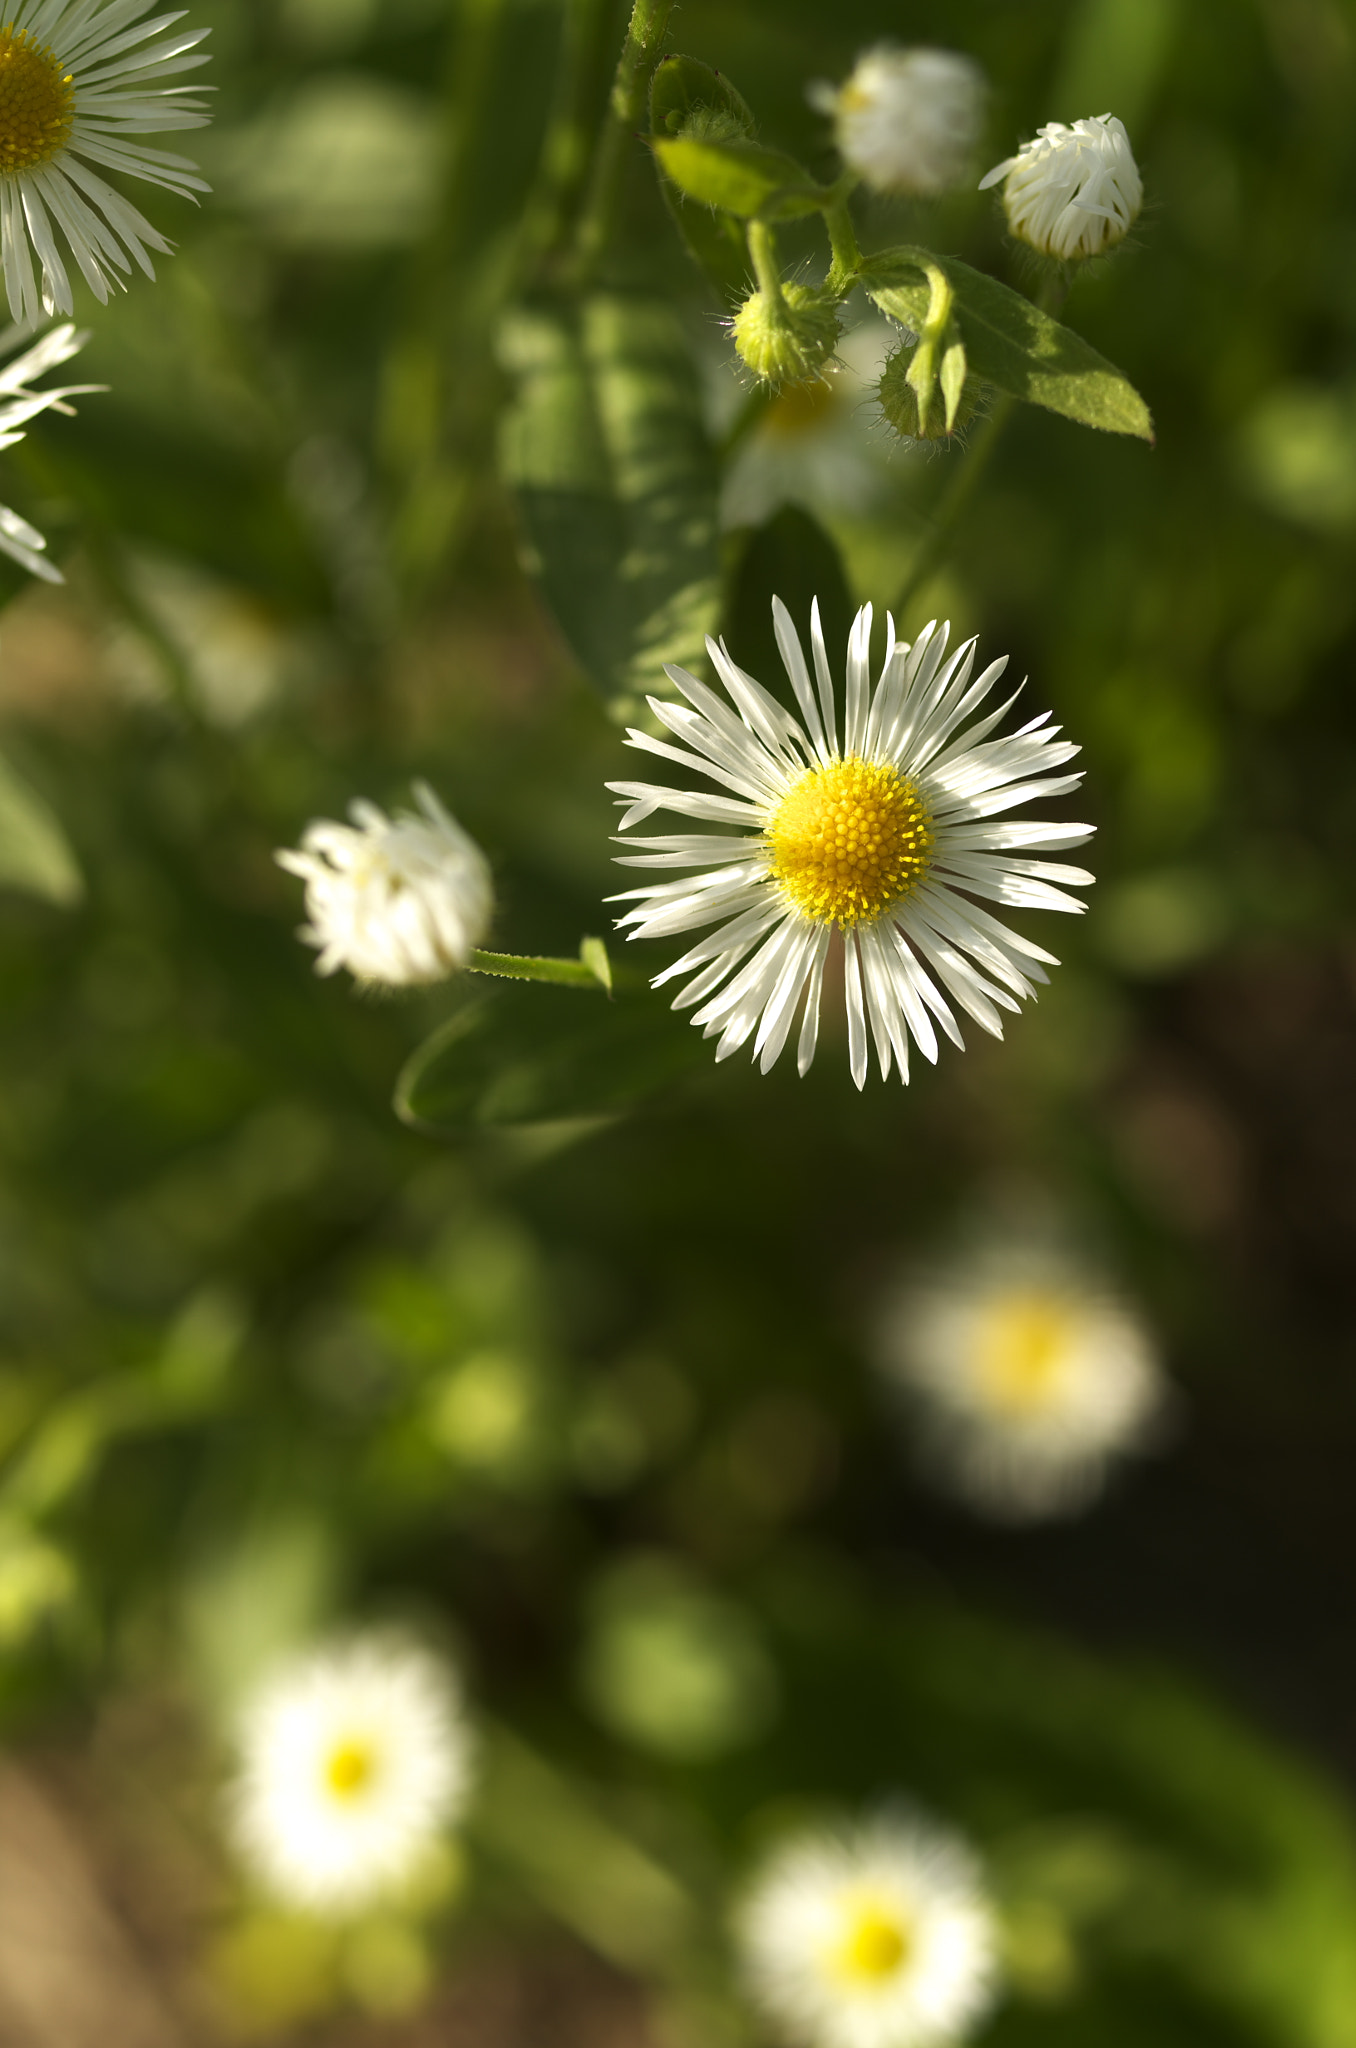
[[907, 120], [396, 901], [1071, 192]]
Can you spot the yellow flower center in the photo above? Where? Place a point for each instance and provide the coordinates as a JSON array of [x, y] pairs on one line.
[[1022, 1344], [848, 841], [349, 1769], [37, 102], [799, 409], [876, 1945]]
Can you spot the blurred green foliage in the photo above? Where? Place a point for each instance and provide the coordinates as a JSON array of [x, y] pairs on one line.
[[591, 1402]]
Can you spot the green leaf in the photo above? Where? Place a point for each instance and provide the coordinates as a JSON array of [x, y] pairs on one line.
[[591, 970], [35, 855], [528, 1055], [616, 479], [1011, 344], [740, 177]]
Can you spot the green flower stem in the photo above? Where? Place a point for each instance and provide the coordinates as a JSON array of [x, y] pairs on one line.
[[763, 257], [589, 971], [847, 257], [626, 114]]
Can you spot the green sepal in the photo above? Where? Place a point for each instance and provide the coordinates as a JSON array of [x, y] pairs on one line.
[[1010, 343], [952, 375], [520, 1055], [616, 479], [740, 177]]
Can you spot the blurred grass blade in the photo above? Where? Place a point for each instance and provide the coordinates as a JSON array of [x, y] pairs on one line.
[[1015, 346], [522, 1055], [616, 478], [35, 854]]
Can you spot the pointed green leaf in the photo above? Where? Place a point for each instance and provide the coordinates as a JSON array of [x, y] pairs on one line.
[[35, 855], [523, 1055], [739, 177], [953, 378], [1014, 345], [616, 479]]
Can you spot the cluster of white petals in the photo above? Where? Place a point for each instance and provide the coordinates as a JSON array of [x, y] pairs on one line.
[[879, 1936], [907, 121], [1026, 1378], [882, 838], [351, 1762], [77, 77], [397, 901], [19, 403], [1072, 191]]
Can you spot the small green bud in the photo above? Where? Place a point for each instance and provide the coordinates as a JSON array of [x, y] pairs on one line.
[[786, 337], [899, 403]]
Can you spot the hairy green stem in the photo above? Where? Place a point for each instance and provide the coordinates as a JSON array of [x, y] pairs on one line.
[[763, 257], [847, 256], [590, 971], [625, 115]]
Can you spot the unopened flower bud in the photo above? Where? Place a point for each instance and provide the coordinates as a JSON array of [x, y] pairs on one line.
[[907, 120], [899, 403], [786, 336], [1072, 191]]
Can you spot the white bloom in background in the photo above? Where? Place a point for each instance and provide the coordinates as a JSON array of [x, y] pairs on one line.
[[882, 839], [819, 444], [878, 1937], [19, 403], [1027, 1379], [352, 1761], [907, 120], [398, 901], [74, 83], [1072, 191]]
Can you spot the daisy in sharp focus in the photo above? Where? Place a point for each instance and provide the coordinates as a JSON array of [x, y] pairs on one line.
[[1026, 1376], [877, 1937], [398, 901], [19, 403], [77, 77], [352, 1762], [877, 839]]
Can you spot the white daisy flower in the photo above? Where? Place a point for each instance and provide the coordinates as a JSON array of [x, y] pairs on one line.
[[907, 120], [19, 403], [1072, 191], [878, 1937], [352, 1761], [881, 839], [819, 444], [75, 82], [1027, 1378], [397, 901]]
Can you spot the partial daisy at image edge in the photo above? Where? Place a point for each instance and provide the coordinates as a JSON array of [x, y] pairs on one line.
[[882, 839]]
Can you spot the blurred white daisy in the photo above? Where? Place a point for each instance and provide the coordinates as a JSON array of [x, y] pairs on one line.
[[75, 82], [398, 901], [878, 841], [352, 1761], [1072, 191], [907, 120], [19, 403], [818, 444], [1026, 1376], [877, 1937]]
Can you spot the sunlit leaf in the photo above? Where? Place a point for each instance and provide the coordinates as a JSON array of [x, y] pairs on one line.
[[35, 855], [739, 177]]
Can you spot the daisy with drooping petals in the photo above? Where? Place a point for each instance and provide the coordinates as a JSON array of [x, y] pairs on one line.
[[1072, 191], [77, 77], [398, 901], [352, 1760], [878, 1937], [879, 840], [19, 403], [1028, 1378]]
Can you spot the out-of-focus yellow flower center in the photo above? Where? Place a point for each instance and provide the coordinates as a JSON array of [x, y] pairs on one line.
[[799, 409], [848, 841], [1022, 1344], [349, 1769], [37, 102], [877, 1942]]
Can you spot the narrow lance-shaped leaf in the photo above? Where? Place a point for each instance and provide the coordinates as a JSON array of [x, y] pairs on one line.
[[1014, 345], [607, 451]]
